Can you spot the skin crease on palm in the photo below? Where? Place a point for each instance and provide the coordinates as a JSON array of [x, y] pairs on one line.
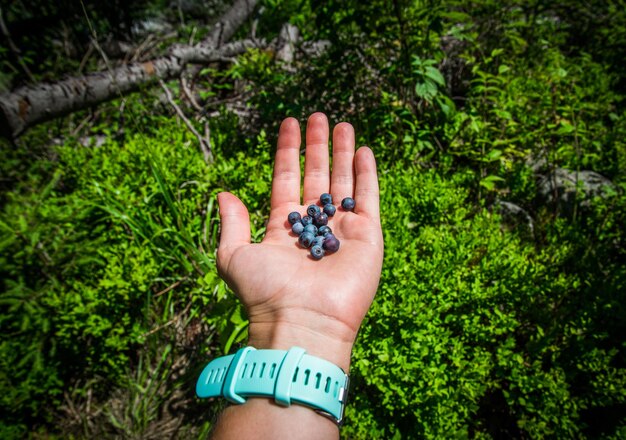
[[292, 299]]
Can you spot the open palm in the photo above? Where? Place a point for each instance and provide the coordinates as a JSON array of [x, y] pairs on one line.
[[280, 284]]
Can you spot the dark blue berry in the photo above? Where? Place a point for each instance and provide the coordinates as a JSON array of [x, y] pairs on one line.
[[325, 199], [329, 209], [297, 228], [324, 231], [331, 244], [294, 217], [318, 241], [320, 220], [313, 210], [305, 239], [317, 252], [311, 229], [348, 203]]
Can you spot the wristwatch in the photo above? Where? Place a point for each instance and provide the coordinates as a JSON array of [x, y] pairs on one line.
[[287, 376]]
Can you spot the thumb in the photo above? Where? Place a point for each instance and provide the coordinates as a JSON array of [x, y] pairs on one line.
[[235, 226]]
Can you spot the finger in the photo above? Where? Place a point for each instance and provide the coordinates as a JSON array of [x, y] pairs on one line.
[[366, 193], [342, 177], [286, 181], [235, 222], [316, 172]]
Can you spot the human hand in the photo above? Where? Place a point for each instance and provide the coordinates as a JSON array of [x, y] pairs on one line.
[[290, 298]]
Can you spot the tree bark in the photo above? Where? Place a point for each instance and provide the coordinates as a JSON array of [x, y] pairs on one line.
[[30, 105], [227, 25]]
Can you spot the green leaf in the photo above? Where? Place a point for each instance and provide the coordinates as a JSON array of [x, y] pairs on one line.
[[426, 90], [489, 182], [417, 61], [434, 74], [565, 128], [494, 155]]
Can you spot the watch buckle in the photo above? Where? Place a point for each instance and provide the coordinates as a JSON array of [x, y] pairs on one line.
[[343, 398]]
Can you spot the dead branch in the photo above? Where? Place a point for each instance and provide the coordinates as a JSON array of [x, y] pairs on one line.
[[30, 105], [189, 94], [205, 146]]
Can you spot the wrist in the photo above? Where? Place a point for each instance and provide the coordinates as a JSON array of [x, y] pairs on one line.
[[333, 346]]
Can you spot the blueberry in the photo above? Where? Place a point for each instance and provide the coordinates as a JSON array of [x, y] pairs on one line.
[[307, 220], [329, 209], [348, 203], [320, 220], [318, 241], [331, 244], [297, 228], [313, 210], [325, 199], [317, 252], [305, 239], [294, 217], [311, 229], [324, 230]]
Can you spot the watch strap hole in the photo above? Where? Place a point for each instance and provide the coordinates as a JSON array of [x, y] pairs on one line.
[[262, 370], [318, 380], [272, 371], [252, 371]]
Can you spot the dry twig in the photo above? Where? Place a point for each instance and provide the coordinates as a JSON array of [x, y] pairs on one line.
[[189, 94], [205, 145]]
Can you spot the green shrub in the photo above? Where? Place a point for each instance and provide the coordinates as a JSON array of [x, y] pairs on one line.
[[101, 249], [476, 333], [107, 270]]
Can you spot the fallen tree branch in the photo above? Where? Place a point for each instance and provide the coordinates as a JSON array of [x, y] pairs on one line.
[[227, 25], [30, 105]]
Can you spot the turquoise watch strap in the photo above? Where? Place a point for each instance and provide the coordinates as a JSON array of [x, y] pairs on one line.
[[288, 376]]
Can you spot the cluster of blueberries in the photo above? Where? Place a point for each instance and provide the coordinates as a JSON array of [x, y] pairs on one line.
[[313, 231]]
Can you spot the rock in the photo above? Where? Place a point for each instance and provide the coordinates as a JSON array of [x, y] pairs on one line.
[[514, 216], [565, 188], [538, 163], [454, 68]]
